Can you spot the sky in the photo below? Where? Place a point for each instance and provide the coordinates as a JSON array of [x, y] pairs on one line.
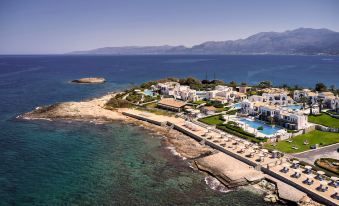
[[60, 26]]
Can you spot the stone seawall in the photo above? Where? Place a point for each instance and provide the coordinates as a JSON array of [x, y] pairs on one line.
[[290, 182], [264, 168]]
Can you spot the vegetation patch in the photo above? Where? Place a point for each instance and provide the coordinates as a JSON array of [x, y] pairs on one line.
[[241, 133], [232, 112], [324, 119], [199, 102], [114, 103], [329, 164], [212, 120], [314, 137]]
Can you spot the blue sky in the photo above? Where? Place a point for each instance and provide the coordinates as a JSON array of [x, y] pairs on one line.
[[59, 26]]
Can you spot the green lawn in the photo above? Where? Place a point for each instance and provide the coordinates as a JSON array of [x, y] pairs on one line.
[[199, 102], [324, 119], [212, 120], [314, 137], [232, 112]]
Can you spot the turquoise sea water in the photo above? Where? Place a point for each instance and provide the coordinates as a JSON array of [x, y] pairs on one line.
[[72, 163]]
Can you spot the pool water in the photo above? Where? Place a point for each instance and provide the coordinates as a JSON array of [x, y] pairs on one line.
[[294, 107], [148, 92], [237, 105], [267, 129]]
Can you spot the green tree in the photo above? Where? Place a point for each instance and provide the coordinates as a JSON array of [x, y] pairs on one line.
[[265, 84], [190, 81], [310, 104], [217, 82], [320, 87], [303, 100], [320, 104], [233, 84], [332, 88]]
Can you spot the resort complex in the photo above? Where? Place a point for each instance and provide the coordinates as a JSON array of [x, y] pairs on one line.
[[275, 134]]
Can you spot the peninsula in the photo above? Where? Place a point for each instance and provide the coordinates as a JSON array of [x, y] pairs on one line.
[[259, 128]]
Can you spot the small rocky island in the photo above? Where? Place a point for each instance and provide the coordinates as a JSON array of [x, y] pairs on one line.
[[90, 80]]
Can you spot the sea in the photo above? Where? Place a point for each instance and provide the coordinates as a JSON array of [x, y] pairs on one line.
[[83, 163]]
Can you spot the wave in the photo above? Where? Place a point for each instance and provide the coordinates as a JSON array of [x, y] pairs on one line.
[[174, 152], [215, 184]]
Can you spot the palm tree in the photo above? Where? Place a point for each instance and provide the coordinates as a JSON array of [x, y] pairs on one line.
[[310, 104], [303, 100], [320, 103]]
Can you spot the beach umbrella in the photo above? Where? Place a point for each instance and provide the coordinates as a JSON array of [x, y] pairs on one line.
[[320, 172], [250, 150], [309, 178], [242, 147], [297, 172], [295, 162], [334, 181], [308, 167]]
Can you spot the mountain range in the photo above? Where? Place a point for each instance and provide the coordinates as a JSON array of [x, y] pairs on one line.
[[302, 41]]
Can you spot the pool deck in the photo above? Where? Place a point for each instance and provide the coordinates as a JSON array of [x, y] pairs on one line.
[[270, 166], [253, 130]]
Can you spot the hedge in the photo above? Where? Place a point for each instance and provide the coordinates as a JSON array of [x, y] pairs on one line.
[[234, 132]]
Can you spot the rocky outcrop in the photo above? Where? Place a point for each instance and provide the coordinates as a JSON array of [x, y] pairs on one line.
[[87, 110], [228, 170], [90, 80]]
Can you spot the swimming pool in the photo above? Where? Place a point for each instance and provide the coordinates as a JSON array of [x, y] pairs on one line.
[[294, 107], [148, 92], [267, 129], [237, 105]]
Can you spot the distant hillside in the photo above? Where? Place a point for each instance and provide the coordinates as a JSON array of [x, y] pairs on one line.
[[298, 41]]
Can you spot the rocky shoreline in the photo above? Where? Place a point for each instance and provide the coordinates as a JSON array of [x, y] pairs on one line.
[[201, 157]]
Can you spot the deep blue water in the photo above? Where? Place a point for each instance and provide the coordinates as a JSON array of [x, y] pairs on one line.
[[64, 163]]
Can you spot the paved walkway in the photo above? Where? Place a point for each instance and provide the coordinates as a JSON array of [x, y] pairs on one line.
[[325, 152]]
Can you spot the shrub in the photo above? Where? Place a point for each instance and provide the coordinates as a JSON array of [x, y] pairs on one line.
[[251, 138], [118, 103], [260, 128]]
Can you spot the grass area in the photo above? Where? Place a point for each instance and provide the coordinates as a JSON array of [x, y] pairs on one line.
[[232, 112], [156, 111], [324, 119], [199, 102], [152, 108], [314, 137], [212, 120]]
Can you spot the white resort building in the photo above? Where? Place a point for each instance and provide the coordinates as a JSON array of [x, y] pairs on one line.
[[274, 114], [222, 94]]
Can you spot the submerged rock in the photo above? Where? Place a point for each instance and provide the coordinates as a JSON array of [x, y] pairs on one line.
[[90, 80]]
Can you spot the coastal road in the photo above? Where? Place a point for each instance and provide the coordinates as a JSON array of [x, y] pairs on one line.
[[325, 152]]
